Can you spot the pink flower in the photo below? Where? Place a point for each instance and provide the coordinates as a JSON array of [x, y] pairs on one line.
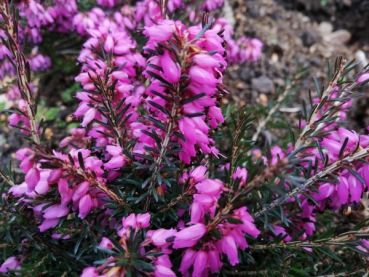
[[210, 187], [162, 271], [280, 230], [81, 190], [160, 32], [171, 69], [106, 243], [363, 78], [10, 263], [198, 174], [356, 188], [158, 237], [241, 173], [187, 260], [129, 221], [32, 178], [85, 206], [229, 247], [90, 272], [48, 223], [214, 261], [342, 189], [189, 236], [201, 262], [56, 211], [143, 220]]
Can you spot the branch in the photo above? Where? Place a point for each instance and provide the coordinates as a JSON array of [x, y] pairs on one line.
[[274, 109], [21, 66], [311, 181], [310, 124], [7, 179]]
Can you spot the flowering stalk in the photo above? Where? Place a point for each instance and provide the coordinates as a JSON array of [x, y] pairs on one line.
[[314, 179], [22, 67], [311, 126]]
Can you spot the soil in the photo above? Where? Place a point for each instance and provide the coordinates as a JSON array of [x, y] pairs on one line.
[[298, 33]]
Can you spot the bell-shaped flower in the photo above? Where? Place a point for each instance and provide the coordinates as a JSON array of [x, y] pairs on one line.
[[32, 178], [85, 205], [189, 236], [143, 220], [171, 69], [201, 262], [187, 260]]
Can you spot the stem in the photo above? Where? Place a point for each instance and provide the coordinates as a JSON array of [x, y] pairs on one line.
[[343, 273], [247, 273], [337, 240], [20, 66], [310, 124], [334, 105], [276, 106], [85, 176], [258, 180], [162, 152], [171, 126], [311, 181], [99, 185], [173, 202], [7, 179]]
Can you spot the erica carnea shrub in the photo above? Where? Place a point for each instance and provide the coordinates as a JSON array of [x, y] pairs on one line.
[[161, 178]]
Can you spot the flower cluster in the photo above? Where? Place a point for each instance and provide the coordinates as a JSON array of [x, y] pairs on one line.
[[187, 66]]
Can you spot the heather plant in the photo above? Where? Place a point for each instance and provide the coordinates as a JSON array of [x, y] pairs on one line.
[[161, 178]]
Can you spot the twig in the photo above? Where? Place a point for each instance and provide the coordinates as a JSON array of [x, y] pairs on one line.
[[310, 124], [343, 273], [21, 67], [7, 179], [275, 108]]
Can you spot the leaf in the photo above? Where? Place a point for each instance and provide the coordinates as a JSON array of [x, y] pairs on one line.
[[317, 87], [139, 199], [166, 98], [143, 266], [234, 220], [144, 184], [181, 136], [311, 198], [343, 147], [156, 122], [159, 107], [149, 158], [320, 151], [330, 254], [105, 250], [156, 76], [353, 172], [81, 162], [117, 245], [211, 53], [216, 234], [201, 33], [193, 98], [194, 114], [154, 136]]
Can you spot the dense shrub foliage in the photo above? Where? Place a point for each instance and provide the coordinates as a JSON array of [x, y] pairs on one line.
[[161, 177]]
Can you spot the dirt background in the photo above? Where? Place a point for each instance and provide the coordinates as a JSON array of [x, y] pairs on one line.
[[299, 33]]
